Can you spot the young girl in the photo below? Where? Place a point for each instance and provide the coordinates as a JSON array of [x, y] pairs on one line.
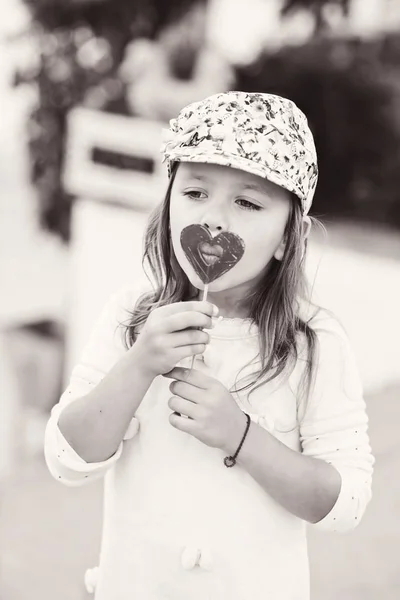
[[213, 472]]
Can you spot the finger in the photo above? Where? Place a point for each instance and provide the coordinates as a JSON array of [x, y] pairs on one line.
[[183, 407], [186, 391], [201, 306], [193, 376], [183, 424], [185, 351], [188, 319], [189, 337]]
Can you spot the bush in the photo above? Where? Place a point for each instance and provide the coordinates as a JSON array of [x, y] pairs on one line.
[[81, 46], [349, 90]]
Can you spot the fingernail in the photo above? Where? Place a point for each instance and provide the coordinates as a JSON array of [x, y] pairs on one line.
[[215, 310]]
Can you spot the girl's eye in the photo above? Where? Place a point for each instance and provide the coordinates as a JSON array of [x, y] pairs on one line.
[[249, 205], [193, 194], [198, 195]]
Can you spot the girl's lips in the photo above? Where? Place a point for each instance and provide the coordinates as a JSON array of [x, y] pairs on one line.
[[211, 254], [208, 250], [210, 259]]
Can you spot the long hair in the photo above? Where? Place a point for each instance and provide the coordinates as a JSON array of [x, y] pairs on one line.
[[273, 305]]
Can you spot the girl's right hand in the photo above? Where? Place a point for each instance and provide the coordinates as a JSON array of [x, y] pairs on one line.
[[172, 333]]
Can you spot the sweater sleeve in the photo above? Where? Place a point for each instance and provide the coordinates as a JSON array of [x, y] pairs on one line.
[[334, 428], [103, 349]]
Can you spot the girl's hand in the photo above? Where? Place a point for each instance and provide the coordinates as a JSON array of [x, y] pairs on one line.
[[171, 333], [214, 417]]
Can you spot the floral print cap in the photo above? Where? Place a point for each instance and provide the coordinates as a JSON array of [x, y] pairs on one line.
[[263, 134]]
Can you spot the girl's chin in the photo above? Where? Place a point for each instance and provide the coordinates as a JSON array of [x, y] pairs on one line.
[[218, 285]]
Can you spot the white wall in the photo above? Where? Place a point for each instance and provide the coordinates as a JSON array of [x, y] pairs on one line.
[[106, 250], [364, 292]]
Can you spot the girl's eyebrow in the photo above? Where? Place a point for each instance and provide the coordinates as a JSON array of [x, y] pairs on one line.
[[255, 187], [247, 186], [197, 177]]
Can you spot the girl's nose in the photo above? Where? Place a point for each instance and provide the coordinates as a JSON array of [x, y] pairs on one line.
[[216, 212], [215, 223], [217, 228]]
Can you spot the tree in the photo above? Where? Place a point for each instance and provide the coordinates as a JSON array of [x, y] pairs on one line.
[[349, 89], [317, 8], [80, 45]]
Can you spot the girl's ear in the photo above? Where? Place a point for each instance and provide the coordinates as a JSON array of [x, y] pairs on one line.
[[306, 233], [306, 227], [280, 251]]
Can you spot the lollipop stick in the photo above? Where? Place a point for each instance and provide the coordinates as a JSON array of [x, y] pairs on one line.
[[205, 292]]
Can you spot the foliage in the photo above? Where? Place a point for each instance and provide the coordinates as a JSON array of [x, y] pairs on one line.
[[348, 88], [350, 92], [80, 46], [317, 8]]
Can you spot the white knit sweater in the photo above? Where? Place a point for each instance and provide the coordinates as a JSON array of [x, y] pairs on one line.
[[179, 525]]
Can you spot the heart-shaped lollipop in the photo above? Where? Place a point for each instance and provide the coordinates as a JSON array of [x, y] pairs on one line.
[[210, 256]]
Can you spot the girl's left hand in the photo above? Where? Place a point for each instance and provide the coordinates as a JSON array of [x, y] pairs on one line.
[[214, 417]]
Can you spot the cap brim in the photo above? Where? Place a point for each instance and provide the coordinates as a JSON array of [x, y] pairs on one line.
[[237, 162]]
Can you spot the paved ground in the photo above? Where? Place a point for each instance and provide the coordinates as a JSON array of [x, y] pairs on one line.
[[50, 534]]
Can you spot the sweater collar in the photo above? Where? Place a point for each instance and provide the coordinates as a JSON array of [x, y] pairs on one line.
[[232, 328]]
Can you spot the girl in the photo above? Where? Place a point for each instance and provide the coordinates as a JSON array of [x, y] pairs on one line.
[[213, 473]]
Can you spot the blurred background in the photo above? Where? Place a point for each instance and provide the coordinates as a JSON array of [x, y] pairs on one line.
[[85, 88]]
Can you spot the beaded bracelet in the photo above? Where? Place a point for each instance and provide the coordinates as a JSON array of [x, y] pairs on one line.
[[230, 461]]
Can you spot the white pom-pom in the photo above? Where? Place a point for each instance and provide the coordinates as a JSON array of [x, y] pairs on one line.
[[91, 577], [190, 557]]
